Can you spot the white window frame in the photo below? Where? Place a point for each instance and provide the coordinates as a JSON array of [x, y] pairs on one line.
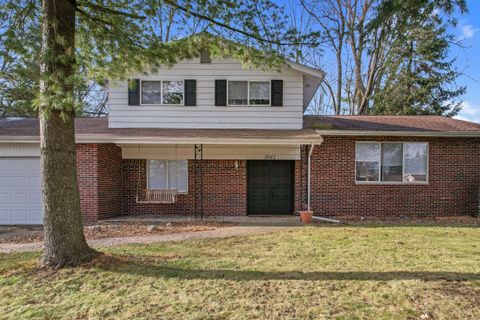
[[403, 182], [168, 174], [161, 94], [379, 162], [428, 163], [248, 94]]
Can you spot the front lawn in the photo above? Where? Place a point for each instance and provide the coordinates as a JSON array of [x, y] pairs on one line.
[[303, 273]]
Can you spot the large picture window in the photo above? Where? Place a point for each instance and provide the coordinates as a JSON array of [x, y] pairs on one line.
[[162, 92], [391, 162], [248, 93], [168, 175]]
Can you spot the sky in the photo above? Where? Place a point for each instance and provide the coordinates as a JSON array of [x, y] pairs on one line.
[[468, 60]]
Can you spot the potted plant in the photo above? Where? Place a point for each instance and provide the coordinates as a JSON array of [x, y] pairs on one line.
[[306, 216]]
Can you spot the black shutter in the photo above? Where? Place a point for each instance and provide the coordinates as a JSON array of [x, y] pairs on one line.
[[134, 93], [190, 92], [277, 93], [221, 93]]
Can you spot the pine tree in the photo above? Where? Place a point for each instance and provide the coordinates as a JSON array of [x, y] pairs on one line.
[[109, 40], [418, 76]]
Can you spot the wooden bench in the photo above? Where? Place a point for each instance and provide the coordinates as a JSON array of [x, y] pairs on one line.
[[157, 196]]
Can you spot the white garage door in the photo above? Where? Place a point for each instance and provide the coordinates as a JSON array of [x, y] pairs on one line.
[[20, 191]]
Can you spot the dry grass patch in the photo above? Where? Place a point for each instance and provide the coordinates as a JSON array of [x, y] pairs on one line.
[[303, 273]]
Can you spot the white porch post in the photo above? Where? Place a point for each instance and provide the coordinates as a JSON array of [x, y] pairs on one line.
[[310, 151]]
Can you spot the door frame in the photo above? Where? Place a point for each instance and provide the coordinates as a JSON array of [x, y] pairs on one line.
[[292, 192]]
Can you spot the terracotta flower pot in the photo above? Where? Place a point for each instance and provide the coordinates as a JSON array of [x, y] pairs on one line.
[[306, 216]]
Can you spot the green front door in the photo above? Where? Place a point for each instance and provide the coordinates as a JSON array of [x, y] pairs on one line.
[[270, 187]]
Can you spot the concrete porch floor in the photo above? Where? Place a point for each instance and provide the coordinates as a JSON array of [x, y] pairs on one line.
[[275, 220]]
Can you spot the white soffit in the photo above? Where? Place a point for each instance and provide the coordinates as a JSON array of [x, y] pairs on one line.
[[211, 152]]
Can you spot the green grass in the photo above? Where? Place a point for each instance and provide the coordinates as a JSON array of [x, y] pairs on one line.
[[304, 273]]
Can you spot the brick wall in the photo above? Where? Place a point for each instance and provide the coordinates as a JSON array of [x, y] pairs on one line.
[[108, 184], [99, 174], [224, 189], [454, 180], [110, 187], [87, 175]]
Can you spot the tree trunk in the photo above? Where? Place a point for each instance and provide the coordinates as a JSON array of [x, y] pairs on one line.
[[65, 242]]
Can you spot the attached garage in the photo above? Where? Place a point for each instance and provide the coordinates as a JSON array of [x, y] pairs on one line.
[[20, 188]]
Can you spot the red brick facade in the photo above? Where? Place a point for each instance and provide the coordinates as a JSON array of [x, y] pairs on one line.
[[224, 189], [99, 173], [108, 184], [453, 188]]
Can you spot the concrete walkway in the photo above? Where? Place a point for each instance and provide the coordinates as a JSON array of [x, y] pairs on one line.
[[275, 220], [241, 230]]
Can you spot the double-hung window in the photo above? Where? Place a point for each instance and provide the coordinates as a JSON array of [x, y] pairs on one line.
[[162, 92], [391, 162], [168, 175], [248, 93]]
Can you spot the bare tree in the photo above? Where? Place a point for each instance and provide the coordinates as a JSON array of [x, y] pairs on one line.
[[358, 49]]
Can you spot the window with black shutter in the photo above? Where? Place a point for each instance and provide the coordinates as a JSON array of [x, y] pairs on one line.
[[220, 92], [277, 93], [134, 92], [190, 92]]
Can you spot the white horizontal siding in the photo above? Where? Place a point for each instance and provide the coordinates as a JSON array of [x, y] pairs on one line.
[[205, 114], [19, 150], [212, 152]]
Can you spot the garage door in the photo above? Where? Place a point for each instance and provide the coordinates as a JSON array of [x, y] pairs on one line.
[[20, 191]]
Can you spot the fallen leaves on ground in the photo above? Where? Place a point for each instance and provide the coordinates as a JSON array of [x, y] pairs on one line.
[[118, 230]]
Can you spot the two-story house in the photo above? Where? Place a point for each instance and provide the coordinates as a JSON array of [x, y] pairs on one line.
[[208, 136]]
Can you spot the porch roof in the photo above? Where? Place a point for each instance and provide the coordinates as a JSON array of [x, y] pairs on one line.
[[95, 130]]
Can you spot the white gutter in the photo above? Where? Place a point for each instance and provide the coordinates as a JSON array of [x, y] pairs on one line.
[[465, 134], [200, 140], [170, 140]]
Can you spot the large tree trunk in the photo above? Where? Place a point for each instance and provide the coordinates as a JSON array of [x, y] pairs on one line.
[[64, 239]]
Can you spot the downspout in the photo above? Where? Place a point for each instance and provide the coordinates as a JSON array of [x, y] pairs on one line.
[[309, 164], [309, 169]]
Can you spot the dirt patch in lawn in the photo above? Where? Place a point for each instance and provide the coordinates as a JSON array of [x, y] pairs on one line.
[[116, 230]]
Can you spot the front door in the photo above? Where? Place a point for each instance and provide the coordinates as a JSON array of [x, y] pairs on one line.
[[270, 187]]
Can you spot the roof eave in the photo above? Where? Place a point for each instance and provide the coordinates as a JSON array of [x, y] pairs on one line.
[[173, 140], [459, 134], [306, 69]]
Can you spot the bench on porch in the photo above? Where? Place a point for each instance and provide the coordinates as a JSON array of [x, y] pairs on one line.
[[157, 196]]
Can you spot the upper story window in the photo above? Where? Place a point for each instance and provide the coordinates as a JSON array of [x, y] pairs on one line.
[[392, 162], [162, 92], [248, 93]]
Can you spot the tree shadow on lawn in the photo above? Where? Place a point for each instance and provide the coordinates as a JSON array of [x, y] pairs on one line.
[[151, 266]]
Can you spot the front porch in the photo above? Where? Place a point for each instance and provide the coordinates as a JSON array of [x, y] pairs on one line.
[[265, 176]]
